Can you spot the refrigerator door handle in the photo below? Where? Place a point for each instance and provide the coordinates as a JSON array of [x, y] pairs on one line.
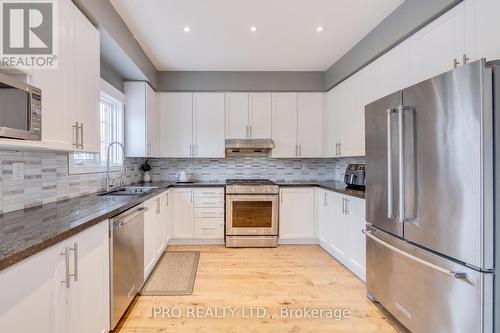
[[402, 110], [453, 274], [390, 195]]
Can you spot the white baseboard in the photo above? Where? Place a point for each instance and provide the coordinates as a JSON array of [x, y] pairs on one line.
[[192, 241], [297, 241]]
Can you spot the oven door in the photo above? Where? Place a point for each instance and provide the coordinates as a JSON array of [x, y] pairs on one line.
[[253, 215]]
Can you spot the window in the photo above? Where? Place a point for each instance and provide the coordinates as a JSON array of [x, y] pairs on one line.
[[111, 129]]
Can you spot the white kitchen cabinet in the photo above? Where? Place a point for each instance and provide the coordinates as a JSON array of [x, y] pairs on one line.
[[339, 236], [208, 125], [439, 46], [355, 211], [237, 116], [351, 118], [209, 213], [176, 124], [332, 127], [87, 89], [482, 27], [150, 231], [182, 226], [394, 69], [248, 116], [284, 122], [141, 120], [166, 219], [310, 124], [323, 215], [52, 306], [260, 115], [296, 218], [71, 92]]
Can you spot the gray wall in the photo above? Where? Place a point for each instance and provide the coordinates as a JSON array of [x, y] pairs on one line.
[[111, 76], [240, 81], [400, 24]]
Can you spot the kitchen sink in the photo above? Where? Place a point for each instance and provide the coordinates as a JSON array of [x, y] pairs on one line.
[[131, 190]]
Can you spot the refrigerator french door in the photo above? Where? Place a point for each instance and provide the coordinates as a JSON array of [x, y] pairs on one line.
[[429, 200]]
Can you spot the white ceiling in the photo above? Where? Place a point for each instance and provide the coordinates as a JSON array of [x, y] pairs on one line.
[[220, 38]]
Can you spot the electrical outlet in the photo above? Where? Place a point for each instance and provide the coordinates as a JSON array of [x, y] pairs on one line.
[[18, 171]]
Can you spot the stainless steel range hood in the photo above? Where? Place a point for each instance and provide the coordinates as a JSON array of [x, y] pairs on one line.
[[248, 146]]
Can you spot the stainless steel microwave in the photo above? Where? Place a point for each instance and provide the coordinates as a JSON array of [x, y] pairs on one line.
[[20, 110]]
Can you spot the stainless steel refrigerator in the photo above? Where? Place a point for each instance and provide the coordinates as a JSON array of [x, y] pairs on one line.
[[430, 201]]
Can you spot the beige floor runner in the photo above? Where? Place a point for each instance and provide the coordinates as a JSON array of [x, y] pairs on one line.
[[174, 274]]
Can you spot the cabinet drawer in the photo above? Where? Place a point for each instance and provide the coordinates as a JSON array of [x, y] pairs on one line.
[[209, 192], [209, 228], [209, 202], [209, 212]]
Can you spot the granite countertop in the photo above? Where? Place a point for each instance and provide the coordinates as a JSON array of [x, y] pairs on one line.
[[24, 233]]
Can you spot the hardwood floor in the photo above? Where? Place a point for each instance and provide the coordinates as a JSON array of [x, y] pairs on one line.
[[290, 277]]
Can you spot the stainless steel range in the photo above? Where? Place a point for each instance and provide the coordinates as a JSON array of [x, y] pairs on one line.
[[251, 213]]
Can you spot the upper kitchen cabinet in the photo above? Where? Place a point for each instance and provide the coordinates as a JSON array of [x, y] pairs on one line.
[[439, 46], [332, 122], [394, 69], [208, 125], [176, 123], [482, 27], [310, 124], [192, 125], [141, 120], [71, 92], [248, 116], [284, 111], [297, 124]]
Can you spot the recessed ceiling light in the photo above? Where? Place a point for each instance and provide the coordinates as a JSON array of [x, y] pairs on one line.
[[253, 28], [187, 29], [319, 29]]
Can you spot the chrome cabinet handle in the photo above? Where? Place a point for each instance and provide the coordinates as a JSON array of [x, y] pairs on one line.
[[390, 199], [158, 209], [300, 150], [75, 261], [456, 63], [325, 199], [465, 59], [454, 274], [75, 135], [167, 200], [250, 131], [81, 136], [66, 263], [340, 148], [346, 206]]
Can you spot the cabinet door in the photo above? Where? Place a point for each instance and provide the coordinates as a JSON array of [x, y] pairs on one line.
[[176, 124], [356, 216], [183, 214], [160, 225], [394, 69], [87, 81], [237, 116], [57, 85], [332, 122], [310, 124], [284, 121], [150, 222], [260, 115], [88, 311], [296, 218], [435, 48], [484, 20], [339, 240], [208, 125], [351, 118], [167, 216], [32, 288], [321, 215], [152, 123]]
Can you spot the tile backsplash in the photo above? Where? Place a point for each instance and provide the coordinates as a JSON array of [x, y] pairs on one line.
[[252, 167], [46, 179]]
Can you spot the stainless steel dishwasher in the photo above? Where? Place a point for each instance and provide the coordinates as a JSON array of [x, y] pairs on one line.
[[126, 260]]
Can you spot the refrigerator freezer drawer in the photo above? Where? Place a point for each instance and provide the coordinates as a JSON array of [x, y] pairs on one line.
[[426, 292]]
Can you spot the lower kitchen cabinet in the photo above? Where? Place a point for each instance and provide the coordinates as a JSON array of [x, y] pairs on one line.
[[296, 217], [50, 301], [340, 220], [198, 214]]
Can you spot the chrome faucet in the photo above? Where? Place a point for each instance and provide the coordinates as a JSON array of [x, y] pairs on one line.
[[108, 174]]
